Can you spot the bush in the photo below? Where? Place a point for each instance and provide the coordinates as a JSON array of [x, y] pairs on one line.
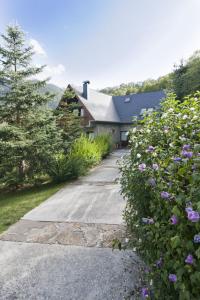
[[86, 150], [161, 181], [104, 143], [62, 168], [84, 154]]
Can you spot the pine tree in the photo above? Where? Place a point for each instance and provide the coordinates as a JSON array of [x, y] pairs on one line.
[[68, 120], [28, 131]]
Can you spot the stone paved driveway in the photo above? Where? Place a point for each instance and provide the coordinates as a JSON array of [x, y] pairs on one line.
[[62, 248]]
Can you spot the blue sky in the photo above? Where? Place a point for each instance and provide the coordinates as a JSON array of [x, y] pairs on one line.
[[106, 41]]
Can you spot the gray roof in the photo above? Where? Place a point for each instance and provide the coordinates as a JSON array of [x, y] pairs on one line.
[[100, 106], [131, 105], [119, 109]]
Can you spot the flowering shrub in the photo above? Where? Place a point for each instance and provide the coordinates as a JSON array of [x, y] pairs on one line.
[[161, 181]]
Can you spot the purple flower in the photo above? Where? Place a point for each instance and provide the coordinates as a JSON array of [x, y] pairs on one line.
[[164, 195], [152, 182], [177, 159], [145, 292], [197, 239], [187, 154], [188, 209], [186, 147], [193, 216], [172, 277], [189, 259], [174, 220], [155, 167], [150, 149], [142, 167]]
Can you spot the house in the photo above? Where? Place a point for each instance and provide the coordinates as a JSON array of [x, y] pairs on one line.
[[101, 113]]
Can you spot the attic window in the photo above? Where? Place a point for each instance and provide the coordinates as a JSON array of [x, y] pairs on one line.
[[127, 100]]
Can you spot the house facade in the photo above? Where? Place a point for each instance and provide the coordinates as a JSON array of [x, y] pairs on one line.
[[101, 113]]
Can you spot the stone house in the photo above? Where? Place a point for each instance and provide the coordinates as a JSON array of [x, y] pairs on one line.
[[101, 113]]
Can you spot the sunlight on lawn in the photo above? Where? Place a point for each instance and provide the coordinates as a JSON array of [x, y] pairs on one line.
[[15, 205]]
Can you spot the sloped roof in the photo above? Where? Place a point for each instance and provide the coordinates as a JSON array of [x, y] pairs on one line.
[[118, 109], [100, 106], [131, 105]]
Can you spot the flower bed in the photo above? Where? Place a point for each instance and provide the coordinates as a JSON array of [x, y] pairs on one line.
[[161, 180]]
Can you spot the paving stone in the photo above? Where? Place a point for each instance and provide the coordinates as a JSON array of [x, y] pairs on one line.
[[79, 234]]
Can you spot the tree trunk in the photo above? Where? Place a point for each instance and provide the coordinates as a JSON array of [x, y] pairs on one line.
[[21, 170]]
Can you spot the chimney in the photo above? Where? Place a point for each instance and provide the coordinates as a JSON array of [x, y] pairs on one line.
[[85, 88]]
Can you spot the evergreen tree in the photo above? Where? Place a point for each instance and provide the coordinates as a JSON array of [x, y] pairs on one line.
[[68, 116], [28, 131]]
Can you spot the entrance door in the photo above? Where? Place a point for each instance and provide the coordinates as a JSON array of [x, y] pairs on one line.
[[124, 138]]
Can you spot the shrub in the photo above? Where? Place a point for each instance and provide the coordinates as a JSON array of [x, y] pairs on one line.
[[86, 150], [84, 154], [104, 143], [161, 181], [62, 167]]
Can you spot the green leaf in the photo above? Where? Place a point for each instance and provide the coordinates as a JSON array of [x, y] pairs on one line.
[[175, 241], [176, 211], [197, 252]]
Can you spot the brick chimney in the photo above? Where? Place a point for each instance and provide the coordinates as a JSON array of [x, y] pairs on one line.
[[85, 88]]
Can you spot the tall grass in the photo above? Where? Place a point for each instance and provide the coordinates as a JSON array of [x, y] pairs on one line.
[[104, 143], [85, 153], [86, 149]]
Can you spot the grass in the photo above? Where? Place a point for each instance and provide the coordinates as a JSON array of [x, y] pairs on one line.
[[14, 205]]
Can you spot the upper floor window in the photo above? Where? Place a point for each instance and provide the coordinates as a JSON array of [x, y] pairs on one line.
[[82, 112]]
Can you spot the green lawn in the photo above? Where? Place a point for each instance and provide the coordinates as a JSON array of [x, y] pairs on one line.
[[14, 205]]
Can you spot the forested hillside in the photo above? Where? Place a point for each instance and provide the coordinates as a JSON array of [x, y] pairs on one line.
[[184, 80]]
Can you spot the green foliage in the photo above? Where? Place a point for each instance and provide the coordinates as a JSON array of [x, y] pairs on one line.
[[149, 85], [104, 143], [164, 157], [64, 167], [68, 94], [57, 94], [28, 131], [87, 150], [14, 205], [70, 124], [186, 76], [84, 154]]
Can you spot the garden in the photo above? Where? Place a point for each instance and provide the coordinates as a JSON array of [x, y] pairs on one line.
[[40, 148], [161, 181]]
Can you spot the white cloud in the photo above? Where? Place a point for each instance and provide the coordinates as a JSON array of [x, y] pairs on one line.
[[55, 70], [37, 48], [57, 74]]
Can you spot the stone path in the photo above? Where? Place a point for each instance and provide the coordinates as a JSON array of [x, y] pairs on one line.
[[62, 248]]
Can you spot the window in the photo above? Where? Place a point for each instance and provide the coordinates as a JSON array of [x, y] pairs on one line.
[[82, 112], [127, 100], [124, 136]]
